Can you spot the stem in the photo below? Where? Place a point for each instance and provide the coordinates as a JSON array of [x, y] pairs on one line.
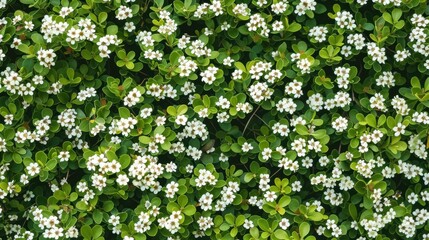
[[276, 172], [248, 121], [262, 120]]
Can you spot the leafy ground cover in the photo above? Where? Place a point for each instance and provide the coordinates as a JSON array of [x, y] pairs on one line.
[[222, 119]]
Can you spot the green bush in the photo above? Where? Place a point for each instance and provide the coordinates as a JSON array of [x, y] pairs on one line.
[[222, 119]]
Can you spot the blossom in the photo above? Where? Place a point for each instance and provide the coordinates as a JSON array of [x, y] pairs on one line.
[[46, 57]]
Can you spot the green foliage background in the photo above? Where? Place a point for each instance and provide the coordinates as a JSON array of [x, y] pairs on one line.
[[79, 66]]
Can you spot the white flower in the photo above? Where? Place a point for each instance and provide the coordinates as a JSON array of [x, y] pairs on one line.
[[386, 79], [181, 120], [284, 223], [304, 65], [277, 26], [296, 186], [65, 11], [122, 179], [246, 147], [346, 50], [305, 5], [64, 156], [16, 42], [114, 220], [2, 55], [401, 55], [132, 98], [208, 76], [319, 33], [225, 26], [279, 7], [345, 19], [228, 61], [340, 124], [248, 224], [33, 169], [8, 119], [399, 129], [270, 196], [223, 103], [129, 26], [46, 57], [241, 9], [124, 12], [376, 53]]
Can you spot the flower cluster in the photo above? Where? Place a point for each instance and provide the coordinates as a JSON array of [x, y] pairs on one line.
[[214, 119]]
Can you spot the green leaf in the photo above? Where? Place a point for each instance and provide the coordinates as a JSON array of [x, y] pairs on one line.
[[129, 65], [264, 225], [51, 164], [360, 187], [240, 220], [125, 161], [97, 215], [367, 202], [415, 82], [108, 206], [254, 232], [248, 177], [320, 8], [60, 195], [121, 54], [41, 156], [112, 30], [172, 111], [240, 66], [224, 226], [124, 112], [370, 119], [353, 211], [81, 205], [145, 139], [323, 53], [38, 39], [182, 109], [301, 130], [387, 17], [86, 231], [97, 230], [233, 232], [304, 229], [399, 146], [368, 26], [400, 24], [284, 201], [391, 123], [229, 218], [396, 14], [400, 211], [17, 158], [235, 147], [316, 216], [24, 48], [182, 200], [294, 27], [189, 210], [102, 17], [28, 2]]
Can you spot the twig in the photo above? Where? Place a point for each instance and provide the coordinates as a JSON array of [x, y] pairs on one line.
[[262, 120], [246, 167], [248, 121], [276, 172]]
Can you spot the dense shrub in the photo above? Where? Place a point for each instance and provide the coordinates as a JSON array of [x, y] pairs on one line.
[[229, 119]]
